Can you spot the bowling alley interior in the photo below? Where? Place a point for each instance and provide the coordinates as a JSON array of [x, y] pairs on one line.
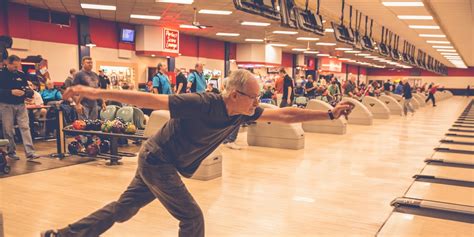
[[236, 118]]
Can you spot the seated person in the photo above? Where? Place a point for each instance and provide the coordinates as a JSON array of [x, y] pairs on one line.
[[299, 90], [50, 94], [210, 88], [36, 100]]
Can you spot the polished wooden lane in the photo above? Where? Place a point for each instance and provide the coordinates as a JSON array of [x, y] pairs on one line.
[[336, 186]]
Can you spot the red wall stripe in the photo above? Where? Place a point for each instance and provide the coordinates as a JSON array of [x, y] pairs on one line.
[[18, 23], [286, 59], [210, 48], [106, 34], [188, 45], [20, 26]]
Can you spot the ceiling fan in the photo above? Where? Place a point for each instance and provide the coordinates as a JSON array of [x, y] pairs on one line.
[[196, 23]]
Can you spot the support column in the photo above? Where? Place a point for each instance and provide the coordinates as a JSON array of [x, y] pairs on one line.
[[83, 34], [226, 59]]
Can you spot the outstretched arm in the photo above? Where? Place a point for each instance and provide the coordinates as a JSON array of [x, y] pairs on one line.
[[297, 115], [140, 99]]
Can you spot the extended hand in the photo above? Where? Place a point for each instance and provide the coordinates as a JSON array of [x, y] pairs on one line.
[[82, 91], [17, 92], [343, 108]]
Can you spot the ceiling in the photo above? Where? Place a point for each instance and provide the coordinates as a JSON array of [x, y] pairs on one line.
[[455, 18]]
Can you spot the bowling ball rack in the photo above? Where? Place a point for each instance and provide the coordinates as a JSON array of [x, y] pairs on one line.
[[113, 156]]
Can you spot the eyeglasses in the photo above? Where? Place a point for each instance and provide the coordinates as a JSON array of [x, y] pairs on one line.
[[251, 97]]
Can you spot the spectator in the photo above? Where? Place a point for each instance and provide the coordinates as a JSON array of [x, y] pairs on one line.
[[70, 78], [14, 90], [196, 81], [86, 108], [181, 82], [310, 88], [288, 86], [104, 81], [407, 95], [50, 94], [161, 82], [212, 89]]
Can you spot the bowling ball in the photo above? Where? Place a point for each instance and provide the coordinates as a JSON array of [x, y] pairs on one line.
[[104, 146], [82, 139], [79, 125], [97, 125], [88, 124], [118, 126], [130, 128], [92, 150], [107, 126], [75, 147], [93, 140]]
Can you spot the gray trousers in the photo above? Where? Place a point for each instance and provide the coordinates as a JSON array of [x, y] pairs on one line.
[[19, 112], [155, 179], [407, 106], [90, 112]]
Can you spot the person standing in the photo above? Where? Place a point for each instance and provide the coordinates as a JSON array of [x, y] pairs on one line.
[[310, 88], [407, 95], [288, 86], [468, 90], [181, 82], [14, 90], [196, 81], [87, 108], [161, 82], [104, 81], [70, 78], [431, 92], [387, 86]]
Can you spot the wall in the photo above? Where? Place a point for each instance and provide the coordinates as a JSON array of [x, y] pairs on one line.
[[195, 49], [456, 78]]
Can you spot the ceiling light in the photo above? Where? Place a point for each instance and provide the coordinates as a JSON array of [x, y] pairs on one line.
[[278, 45], [176, 1], [146, 17], [98, 7], [284, 32], [183, 26], [446, 50], [311, 52], [153, 55], [344, 59], [254, 40], [412, 17], [442, 47], [227, 34], [326, 44], [432, 35], [424, 27], [403, 4], [363, 54], [323, 55], [437, 42], [351, 51], [298, 49], [449, 54], [343, 49], [214, 12], [329, 30], [307, 38], [251, 23]]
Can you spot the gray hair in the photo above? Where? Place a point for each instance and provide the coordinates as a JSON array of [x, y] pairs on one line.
[[237, 81]]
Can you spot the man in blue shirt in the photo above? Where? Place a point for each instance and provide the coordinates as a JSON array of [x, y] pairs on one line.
[[50, 94], [196, 81], [161, 83], [399, 88]]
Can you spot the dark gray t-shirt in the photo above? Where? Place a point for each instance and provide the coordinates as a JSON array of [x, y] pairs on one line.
[[199, 124], [90, 79]]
